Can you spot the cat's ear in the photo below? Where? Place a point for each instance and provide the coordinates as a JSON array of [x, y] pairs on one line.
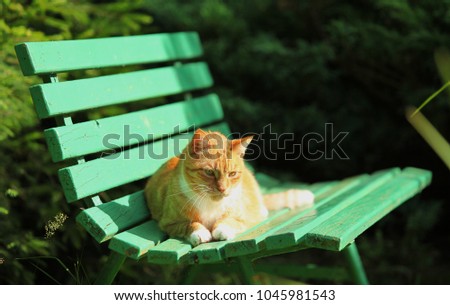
[[197, 141], [200, 133], [239, 146]]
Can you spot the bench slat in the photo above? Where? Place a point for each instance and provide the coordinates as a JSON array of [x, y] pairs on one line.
[[89, 137], [135, 242], [126, 244], [176, 251], [253, 241], [170, 251], [214, 252], [65, 97], [68, 55], [289, 234], [105, 220], [340, 230], [89, 178]]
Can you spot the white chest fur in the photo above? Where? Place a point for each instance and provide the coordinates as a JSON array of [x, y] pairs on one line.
[[209, 210]]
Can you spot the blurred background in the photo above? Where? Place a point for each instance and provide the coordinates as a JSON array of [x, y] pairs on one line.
[[293, 64]]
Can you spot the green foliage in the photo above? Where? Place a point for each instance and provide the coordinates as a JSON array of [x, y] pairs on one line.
[[30, 194]]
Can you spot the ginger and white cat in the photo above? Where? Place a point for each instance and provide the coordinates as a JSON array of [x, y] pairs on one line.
[[207, 193]]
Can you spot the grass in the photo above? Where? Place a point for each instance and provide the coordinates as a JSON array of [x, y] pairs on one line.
[[78, 275]]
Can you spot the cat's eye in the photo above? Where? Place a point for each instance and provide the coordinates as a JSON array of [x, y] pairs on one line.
[[232, 174], [209, 172]]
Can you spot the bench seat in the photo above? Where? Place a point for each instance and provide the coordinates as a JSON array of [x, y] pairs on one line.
[[343, 210]]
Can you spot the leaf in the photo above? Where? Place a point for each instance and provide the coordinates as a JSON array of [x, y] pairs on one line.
[[430, 134], [430, 98], [442, 60], [12, 193], [4, 211]]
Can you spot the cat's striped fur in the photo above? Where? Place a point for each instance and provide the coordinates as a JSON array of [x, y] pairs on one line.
[[207, 193]]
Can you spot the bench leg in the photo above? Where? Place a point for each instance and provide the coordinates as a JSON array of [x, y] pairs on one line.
[[356, 267], [111, 268], [246, 270]]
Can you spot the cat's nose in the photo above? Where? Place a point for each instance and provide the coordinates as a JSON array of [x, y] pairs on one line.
[[223, 190]]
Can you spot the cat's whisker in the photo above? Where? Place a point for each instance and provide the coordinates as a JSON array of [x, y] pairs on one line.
[[198, 200], [190, 199], [183, 193]]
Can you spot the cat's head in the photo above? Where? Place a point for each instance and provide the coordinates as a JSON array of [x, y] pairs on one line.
[[213, 164]]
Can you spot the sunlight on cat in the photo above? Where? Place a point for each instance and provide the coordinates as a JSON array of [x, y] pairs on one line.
[[199, 236], [207, 193], [224, 232]]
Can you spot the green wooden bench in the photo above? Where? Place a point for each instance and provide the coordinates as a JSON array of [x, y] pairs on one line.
[[343, 209]]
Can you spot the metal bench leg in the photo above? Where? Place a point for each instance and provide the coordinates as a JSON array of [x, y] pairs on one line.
[[356, 267], [246, 270], [111, 268]]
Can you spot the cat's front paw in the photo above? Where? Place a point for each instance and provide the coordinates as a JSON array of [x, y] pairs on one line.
[[224, 232], [200, 236]]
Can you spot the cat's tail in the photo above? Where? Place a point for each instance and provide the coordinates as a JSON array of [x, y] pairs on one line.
[[292, 199]]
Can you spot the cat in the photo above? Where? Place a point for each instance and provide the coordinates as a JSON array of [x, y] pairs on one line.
[[207, 193]]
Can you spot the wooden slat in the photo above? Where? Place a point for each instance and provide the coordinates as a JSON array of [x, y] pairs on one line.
[[289, 234], [269, 184], [68, 55], [135, 242], [333, 201], [85, 179], [139, 240], [214, 252], [253, 241], [65, 97], [172, 251], [89, 137], [105, 220], [423, 177], [176, 251], [342, 229]]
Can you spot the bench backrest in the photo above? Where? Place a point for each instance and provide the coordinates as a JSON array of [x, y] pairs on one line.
[[140, 139]]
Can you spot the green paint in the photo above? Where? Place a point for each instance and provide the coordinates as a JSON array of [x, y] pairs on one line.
[[66, 97], [342, 228], [251, 240], [101, 174], [106, 220], [88, 137], [137, 241], [290, 234], [355, 265], [245, 267], [68, 55], [169, 252], [111, 268]]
